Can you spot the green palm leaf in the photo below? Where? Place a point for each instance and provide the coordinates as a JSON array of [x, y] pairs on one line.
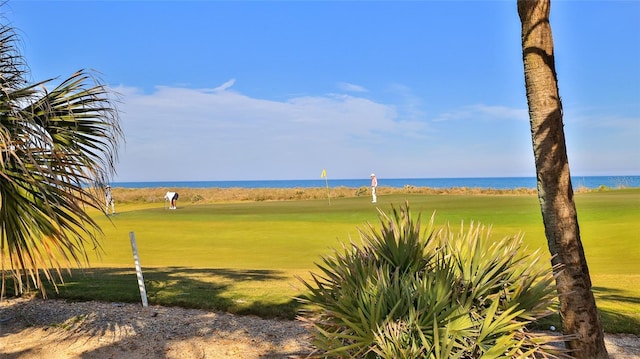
[[57, 148]]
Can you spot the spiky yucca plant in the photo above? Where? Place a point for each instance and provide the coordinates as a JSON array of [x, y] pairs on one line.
[[403, 294]]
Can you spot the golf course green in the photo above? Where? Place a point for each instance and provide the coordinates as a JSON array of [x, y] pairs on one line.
[[244, 257]]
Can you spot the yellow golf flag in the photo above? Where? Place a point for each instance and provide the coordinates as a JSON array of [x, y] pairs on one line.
[[324, 175]]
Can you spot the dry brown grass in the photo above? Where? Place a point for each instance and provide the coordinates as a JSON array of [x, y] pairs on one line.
[[216, 195]]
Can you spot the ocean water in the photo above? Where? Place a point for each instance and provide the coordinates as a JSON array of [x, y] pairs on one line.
[[590, 182]]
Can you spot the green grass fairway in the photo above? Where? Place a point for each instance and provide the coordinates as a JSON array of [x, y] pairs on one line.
[[243, 257]]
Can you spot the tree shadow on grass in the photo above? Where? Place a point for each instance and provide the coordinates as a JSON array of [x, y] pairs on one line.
[[611, 294], [613, 321], [227, 290]]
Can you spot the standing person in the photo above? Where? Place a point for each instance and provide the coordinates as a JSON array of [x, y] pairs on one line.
[[109, 200], [374, 185], [172, 197]]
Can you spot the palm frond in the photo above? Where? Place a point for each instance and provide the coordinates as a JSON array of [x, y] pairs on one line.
[[55, 148]]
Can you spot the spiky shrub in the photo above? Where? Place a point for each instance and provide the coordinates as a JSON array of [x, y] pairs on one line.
[[400, 294]]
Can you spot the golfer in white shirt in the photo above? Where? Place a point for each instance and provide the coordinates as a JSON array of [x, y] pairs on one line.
[[172, 197]]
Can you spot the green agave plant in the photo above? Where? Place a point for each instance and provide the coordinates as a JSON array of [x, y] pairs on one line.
[[403, 293]]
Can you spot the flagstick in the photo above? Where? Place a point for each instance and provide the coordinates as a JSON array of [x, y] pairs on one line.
[[328, 194]]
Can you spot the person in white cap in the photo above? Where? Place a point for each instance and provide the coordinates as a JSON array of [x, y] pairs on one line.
[[109, 199], [374, 185]]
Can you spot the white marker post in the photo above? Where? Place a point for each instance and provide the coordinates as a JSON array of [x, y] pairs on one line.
[[136, 259]]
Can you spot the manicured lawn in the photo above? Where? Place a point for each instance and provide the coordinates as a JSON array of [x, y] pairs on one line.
[[244, 257]]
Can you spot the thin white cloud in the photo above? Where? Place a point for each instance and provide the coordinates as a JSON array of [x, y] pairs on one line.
[[225, 86], [349, 87], [485, 112], [501, 112], [409, 106]]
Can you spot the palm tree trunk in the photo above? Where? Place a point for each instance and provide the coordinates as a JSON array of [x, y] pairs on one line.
[[555, 193]]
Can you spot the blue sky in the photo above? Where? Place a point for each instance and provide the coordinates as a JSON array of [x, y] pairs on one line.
[[251, 90]]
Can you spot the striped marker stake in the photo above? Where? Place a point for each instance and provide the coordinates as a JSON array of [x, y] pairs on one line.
[[136, 259]]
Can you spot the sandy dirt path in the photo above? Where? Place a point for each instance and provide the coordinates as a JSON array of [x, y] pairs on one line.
[[55, 329]]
